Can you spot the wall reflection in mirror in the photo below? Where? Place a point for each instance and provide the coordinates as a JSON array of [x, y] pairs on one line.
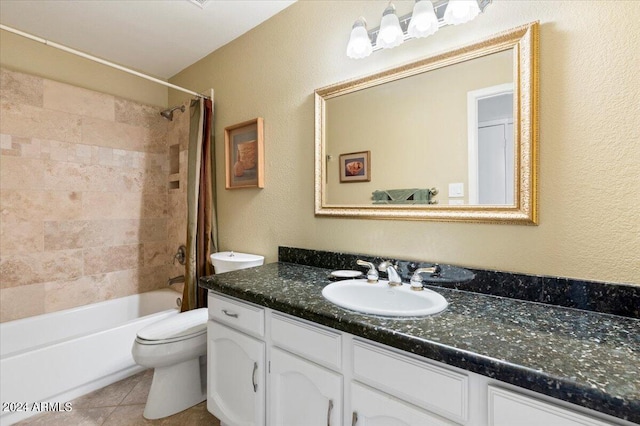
[[461, 123]]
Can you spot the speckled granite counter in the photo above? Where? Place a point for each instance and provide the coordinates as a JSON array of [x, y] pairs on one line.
[[586, 358]]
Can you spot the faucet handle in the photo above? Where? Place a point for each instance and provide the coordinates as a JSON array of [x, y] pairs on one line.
[[416, 279], [372, 274]]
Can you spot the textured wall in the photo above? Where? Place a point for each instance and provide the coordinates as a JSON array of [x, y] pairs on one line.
[[589, 151], [83, 196]]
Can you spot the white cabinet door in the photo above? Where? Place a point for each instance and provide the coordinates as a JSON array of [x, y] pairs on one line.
[[372, 408], [236, 379], [303, 393]]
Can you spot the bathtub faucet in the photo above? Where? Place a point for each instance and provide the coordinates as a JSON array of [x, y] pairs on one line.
[[175, 280]]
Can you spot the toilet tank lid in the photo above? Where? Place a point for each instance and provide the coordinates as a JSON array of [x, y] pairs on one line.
[[231, 256], [180, 325]]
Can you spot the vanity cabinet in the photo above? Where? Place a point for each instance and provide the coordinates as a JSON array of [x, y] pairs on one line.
[[265, 367], [235, 363], [304, 373]]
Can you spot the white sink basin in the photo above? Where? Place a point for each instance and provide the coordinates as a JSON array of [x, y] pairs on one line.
[[381, 299]]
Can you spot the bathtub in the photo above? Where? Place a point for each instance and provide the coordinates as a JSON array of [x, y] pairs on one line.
[[56, 357]]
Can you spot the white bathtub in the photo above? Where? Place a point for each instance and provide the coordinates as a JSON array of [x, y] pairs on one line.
[[59, 356]]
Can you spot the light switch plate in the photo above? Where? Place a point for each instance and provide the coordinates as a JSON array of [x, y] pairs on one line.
[[456, 190]]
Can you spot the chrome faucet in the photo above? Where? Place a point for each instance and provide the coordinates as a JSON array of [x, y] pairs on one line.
[[416, 279], [392, 273], [372, 274], [175, 280]]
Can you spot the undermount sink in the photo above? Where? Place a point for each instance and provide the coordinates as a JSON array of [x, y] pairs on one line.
[[382, 299]]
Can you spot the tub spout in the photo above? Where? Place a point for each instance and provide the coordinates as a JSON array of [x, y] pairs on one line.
[[175, 280]]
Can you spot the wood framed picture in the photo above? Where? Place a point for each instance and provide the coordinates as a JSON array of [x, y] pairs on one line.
[[244, 154], [355, 167]]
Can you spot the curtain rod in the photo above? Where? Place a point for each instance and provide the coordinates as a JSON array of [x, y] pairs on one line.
[[99, 60]]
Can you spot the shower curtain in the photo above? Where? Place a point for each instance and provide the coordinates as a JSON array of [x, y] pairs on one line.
[[201, 208]]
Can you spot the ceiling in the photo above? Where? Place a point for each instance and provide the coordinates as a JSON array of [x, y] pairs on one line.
[[158, 37]]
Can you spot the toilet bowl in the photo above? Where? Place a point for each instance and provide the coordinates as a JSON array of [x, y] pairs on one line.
[[175, 348]]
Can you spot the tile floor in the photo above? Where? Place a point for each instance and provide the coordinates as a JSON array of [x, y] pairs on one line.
[[120, 404]]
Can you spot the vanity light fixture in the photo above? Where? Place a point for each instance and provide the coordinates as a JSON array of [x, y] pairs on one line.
[[461, 11], [359, 43], [425, 20], [391, 34]]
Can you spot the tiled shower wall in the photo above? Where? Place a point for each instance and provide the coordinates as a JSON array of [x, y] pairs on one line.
[[178, 143], [84, 196]]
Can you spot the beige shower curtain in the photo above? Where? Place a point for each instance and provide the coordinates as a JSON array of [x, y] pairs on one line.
[[201, 208]]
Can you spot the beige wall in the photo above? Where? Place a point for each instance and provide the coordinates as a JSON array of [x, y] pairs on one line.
[[589, 151], [83, 195], [28, 56]]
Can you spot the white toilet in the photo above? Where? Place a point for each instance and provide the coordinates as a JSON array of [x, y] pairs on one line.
[[173, 347], [176, 347], [225, 261]]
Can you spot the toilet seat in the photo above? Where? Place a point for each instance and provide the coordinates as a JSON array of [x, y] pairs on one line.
[[184, 326]]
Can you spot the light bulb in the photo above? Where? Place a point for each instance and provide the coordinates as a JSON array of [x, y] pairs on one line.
[[390, 34], [461, 11], [359, 43], [424, 21]]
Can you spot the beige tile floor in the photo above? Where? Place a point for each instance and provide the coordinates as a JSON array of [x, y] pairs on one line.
[[121, 404]]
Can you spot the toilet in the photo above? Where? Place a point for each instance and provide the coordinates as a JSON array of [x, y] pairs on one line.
[[225, 261], [173, 347], [176, 349]]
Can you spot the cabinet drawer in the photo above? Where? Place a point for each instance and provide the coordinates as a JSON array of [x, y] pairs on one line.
[[508, 408], [311, 342], [369, 405], [437, 389], [238, 314]]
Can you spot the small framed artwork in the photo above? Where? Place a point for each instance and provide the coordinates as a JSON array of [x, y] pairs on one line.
[[355, 167], [244, 154]]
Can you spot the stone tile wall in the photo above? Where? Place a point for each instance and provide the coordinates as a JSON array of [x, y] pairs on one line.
[[84, 198], [178, 134]]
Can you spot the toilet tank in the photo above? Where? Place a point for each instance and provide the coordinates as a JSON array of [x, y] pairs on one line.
[[226, 261]]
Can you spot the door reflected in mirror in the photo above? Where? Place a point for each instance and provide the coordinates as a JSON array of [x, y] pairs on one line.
[[451, 137], [491, 158]]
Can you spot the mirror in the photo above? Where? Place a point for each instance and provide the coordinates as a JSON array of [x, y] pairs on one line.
[[451, 137]]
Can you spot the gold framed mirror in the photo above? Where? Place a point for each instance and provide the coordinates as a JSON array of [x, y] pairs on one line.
[[452, 137]]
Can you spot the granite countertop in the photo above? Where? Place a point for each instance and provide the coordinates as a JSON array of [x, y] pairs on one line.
[[586, 358]]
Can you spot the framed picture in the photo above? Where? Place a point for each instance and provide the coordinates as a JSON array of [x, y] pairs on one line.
[[244, 155], [355, 167]]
